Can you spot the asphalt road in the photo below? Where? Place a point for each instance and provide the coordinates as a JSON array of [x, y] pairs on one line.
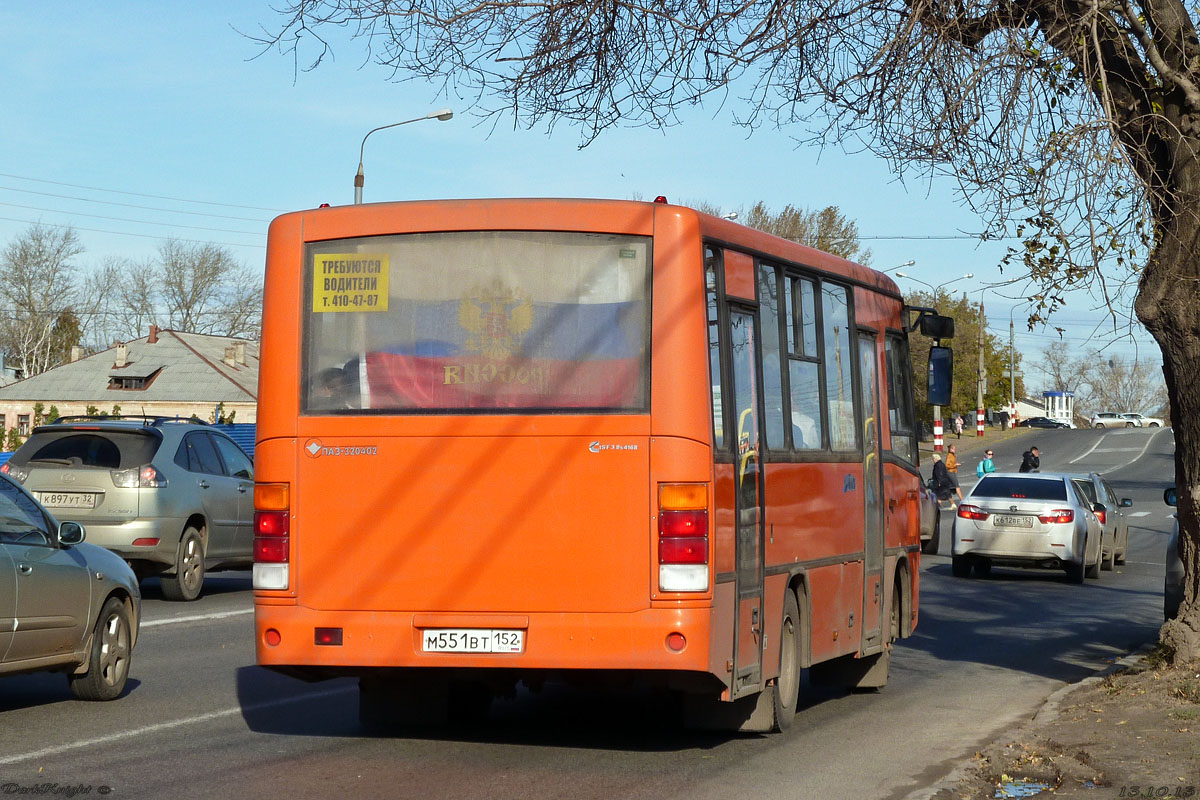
[[200, 720]]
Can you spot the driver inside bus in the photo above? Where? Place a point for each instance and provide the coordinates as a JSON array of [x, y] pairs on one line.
[[331, 389]]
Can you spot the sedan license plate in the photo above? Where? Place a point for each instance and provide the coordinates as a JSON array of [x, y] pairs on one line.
[[67, 499], [1013, 522], [472, 640]]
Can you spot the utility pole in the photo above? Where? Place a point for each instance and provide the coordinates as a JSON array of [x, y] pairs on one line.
[[1012, 370], [982, 377]]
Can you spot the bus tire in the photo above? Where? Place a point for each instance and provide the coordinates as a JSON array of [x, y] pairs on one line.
[[187, 579], [787, 685]]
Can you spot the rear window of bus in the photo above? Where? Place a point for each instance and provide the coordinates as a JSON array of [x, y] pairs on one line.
[[477, 321]]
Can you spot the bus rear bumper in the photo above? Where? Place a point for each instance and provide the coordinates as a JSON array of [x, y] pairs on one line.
[[286, 637]]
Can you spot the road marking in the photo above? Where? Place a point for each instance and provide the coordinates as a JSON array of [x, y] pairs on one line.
[[154, 623], [176, 723], [1113, 450], [1089, 452], [1146, 447]]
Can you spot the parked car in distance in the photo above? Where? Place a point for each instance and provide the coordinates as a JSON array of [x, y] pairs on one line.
[[65, 605], [1110, 513], [931, 520], [1173, 581], [1026, 520], [170, 496], [1111, 419], [1042, 422], [1141, 421]]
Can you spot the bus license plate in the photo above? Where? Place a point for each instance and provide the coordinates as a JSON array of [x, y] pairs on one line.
[[1013, 522], [472, 640], [67, 499]]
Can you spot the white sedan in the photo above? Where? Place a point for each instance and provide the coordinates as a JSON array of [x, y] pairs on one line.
[[1143, 421]]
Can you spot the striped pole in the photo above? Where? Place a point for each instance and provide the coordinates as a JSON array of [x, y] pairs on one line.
[[979, 422], [937, 434]]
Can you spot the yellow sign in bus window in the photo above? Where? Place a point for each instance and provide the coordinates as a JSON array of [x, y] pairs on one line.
[[350, 282]]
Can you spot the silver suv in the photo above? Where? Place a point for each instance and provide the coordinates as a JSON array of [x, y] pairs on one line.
[[169, 495]]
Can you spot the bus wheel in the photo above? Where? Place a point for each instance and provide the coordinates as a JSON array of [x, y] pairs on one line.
[[787, 686], [188, 578]]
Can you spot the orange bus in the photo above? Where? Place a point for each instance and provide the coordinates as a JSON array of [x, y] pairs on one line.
[[502, 442]]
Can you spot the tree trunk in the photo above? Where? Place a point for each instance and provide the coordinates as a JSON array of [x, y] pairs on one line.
[[1168, 304]]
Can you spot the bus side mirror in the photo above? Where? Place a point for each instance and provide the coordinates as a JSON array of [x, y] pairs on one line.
[[936, 326], [1169, 496], [941, 373]]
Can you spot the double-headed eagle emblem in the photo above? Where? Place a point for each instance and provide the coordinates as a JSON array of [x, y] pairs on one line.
[[496, 317]]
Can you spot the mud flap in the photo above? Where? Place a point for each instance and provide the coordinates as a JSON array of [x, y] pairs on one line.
[[868, 672], [754, 714]]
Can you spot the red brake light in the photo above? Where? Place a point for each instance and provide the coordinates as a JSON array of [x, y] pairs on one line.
[[271, 523], [1102, 516], [972, 512], [683, 550], [683, 523], [271, 550], [272, 544], [1057, 515], [5, 469]]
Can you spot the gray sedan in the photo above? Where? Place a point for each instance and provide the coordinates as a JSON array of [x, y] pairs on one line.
[[65, 606], [1027, 520]]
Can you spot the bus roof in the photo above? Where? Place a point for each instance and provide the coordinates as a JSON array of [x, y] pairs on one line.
[[611, 216]]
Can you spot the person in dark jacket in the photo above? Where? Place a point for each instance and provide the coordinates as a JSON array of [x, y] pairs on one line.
[[942, 484], [1030, 460]]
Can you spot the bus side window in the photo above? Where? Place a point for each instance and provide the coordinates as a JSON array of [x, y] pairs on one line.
[[804, 379], [768, 303], [712, 260]]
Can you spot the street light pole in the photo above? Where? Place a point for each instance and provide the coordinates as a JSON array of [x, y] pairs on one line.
[[938, 444], [979, 382], [1012, 367], [441, 114]]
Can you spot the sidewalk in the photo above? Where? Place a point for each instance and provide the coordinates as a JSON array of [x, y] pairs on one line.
[[970, 443]]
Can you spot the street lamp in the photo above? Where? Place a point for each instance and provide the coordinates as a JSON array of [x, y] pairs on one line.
[[442, 114], [908, 263], [935, 289]]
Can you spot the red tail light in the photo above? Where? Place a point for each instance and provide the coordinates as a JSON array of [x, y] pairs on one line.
[[272, 536], [271, 540], [683, 537], [1057, 515], [972, 512], [1102, 516]]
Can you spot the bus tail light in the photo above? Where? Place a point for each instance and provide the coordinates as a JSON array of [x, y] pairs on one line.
[[683, 537], [272, 536]]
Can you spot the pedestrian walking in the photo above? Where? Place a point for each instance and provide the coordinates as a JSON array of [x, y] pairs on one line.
[[1030, 460], [942, 486], [986, 466], [958, 426], [952, 468]]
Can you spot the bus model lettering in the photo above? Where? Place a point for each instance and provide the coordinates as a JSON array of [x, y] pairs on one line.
[[351, 284]]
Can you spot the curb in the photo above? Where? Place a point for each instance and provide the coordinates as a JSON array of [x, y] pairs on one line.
[[1048, 711]]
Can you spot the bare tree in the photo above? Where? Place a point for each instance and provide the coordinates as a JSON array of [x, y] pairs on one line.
[[198, 288], [39, 280], [1074, 125]]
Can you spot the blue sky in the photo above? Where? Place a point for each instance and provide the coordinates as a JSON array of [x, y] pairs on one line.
[[169, 100]]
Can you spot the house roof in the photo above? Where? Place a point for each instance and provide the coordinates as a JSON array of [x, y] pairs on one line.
[[190, 368]]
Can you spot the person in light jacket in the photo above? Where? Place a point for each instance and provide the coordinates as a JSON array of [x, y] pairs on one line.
[[986, 466]]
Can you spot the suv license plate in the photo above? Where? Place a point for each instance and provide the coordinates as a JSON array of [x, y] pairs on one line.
[[1013, 522], [67, 499], [472, 640]]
